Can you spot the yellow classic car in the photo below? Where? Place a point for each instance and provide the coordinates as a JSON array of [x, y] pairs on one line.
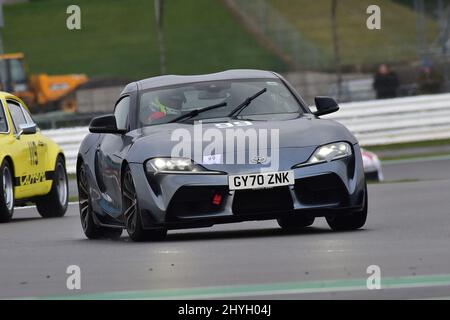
[[32, 165]]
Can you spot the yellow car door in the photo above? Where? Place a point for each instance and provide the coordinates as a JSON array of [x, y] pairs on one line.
[[38, 145], [27, 166]]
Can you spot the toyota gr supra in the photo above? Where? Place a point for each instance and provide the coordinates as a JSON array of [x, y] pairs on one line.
[[33, 167], [194, 151]]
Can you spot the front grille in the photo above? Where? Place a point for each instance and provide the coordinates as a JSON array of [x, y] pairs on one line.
[[262, 201], [321, 190], [196, 200]]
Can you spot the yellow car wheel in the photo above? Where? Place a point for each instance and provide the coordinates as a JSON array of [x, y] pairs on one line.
[[6, 192], [55, 203]]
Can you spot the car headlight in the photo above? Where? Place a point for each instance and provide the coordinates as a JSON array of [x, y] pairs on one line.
[[176, 165], [329, 152]]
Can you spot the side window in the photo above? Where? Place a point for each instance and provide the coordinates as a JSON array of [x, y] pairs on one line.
[[3, 121], [17, 115], [27, 116], [121, 113]]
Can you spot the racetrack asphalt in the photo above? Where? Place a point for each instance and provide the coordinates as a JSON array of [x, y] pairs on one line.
[[396, 170], [407, 235], [431, 168]]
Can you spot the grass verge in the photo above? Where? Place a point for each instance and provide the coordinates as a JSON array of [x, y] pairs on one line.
[[409, 145], [119, 39]]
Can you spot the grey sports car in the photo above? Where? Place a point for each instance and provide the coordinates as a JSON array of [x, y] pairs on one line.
[[194, 151]]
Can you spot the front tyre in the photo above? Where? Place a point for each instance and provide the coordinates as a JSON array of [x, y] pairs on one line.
[[131, 215], [353, 221], [294, 222], [90, 229], [55, 203], [6, 192]]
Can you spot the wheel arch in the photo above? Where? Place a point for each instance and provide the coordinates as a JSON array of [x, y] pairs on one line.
[[53, 152], [80, 161], [63, 156], [122, 169], [11, 162]]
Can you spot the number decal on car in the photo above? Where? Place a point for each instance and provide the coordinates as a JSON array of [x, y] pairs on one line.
[[32, 179], [34, 159], [226, 125]]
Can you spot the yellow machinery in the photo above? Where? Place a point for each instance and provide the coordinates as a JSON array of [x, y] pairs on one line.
[[40, 92]]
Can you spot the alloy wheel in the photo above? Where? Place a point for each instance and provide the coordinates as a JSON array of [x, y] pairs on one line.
[[8, 191], [130, 203], [84, 198]]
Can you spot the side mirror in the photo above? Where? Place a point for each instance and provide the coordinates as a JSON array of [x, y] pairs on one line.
[[105, 124], [27, 129], [325, 105]]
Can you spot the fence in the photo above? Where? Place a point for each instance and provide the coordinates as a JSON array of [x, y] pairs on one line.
[[377, 122], [411, 119]]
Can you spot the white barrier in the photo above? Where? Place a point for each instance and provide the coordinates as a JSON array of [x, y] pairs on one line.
[[70, 140], [375, 122], [400, 120]]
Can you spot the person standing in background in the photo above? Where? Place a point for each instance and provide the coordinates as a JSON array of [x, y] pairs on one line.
[[430, 80], [385, 82]]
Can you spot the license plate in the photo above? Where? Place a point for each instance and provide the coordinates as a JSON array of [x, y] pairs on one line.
[[261, 180]]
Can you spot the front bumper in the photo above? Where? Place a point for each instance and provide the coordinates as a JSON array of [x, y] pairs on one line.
[[184, 201]]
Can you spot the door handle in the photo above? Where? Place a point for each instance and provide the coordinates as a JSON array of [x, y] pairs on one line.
[[41, 144]]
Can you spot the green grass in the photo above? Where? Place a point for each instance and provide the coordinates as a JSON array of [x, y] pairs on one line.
[[392, 181], [415, 156], [118, 38], [410, 145], [396, 41]]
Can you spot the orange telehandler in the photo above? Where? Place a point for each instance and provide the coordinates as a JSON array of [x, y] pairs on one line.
[[41, 92]]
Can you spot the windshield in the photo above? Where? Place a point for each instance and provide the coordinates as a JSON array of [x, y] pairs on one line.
[[3, 121], [164, 105]]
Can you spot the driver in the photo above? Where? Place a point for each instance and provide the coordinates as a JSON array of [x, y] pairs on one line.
[[166, 103]]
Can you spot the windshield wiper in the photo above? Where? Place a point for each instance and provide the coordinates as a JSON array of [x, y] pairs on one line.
[[196, 112], [245, 104]]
